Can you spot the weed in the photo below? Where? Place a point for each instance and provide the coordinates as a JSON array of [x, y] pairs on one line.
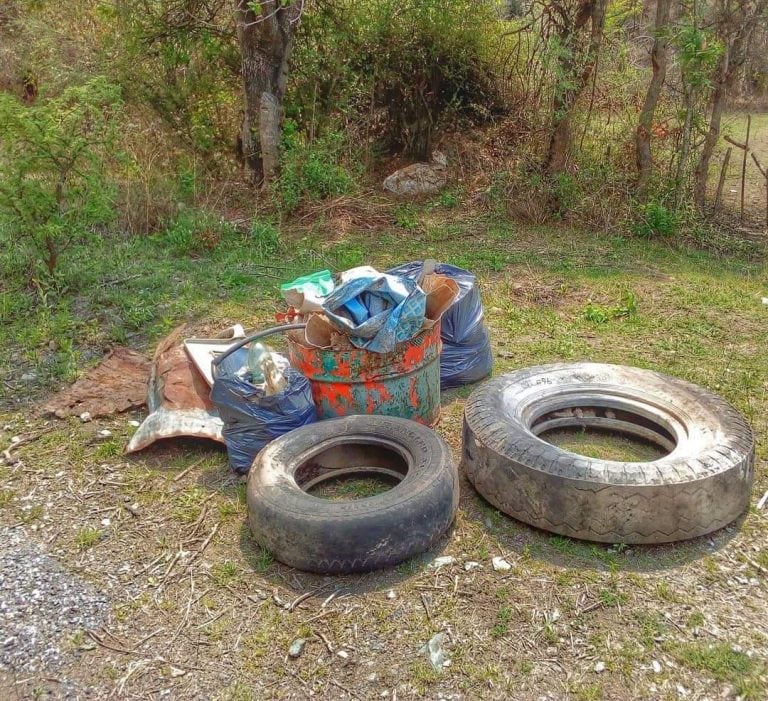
[[503, 618], [448, 199], [422, 674], [695, 620], [612, 597], [665, 592], [410, 566], [87, 537], [655, 219], [406, 217], [588, 692], [311, 170], [264, 559], [225, 573], [33, 513], [350, 488], [526, 668], [264, 238], [194, 233], [6, 497], [723, 663], [599, 314], [188, 504]]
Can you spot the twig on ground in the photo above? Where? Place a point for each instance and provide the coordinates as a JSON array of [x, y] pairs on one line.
[[184, 473], [12, 460], [301, 598], [100, 641], [763, 500], [344, 688], [325, 640], [426, 607]]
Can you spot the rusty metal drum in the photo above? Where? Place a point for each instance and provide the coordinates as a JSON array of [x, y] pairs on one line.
[[405, 382]]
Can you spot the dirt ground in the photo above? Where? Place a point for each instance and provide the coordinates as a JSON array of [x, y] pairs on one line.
[[195, 609]]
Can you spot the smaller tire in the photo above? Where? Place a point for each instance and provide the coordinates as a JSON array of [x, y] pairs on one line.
[[338, 537]]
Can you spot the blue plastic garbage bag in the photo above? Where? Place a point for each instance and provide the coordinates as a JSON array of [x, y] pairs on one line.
[[467, 355], [377, 311], [251, 418]]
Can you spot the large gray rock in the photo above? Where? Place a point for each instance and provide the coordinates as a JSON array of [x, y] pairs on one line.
[[419, 178]]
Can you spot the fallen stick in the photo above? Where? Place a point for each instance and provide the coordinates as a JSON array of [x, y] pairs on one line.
[[763, 500], [10, 459], [182, 474]]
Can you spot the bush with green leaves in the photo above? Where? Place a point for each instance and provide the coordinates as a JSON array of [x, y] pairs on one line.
[[54, 189], [312, 169], [655, 219], [398, 69]]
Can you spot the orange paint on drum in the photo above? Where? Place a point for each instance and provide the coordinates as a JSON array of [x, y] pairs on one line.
[[405, 382]]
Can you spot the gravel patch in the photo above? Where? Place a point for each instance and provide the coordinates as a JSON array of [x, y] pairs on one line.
[[41, 605]]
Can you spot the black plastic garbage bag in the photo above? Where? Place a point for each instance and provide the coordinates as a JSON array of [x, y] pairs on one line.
[[251, 417], [467, 355]]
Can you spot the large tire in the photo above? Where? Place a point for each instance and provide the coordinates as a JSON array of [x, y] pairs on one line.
[[703, 483], [320, 535]]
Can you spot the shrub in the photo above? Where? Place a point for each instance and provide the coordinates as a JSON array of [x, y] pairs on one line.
[[655, 219], [311, 169], [54, 191], [195, 232], [402, 67]]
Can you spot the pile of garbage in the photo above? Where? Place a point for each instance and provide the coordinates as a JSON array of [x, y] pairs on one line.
[[365, 342]]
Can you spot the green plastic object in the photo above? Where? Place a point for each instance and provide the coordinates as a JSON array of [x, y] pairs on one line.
[[318, 284]]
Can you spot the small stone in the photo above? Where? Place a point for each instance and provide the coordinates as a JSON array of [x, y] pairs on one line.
[[656, 666], [343, 654], [176, 672], [501, 565], [600, 667], [471, 565], [28, 377], [297, 647], [391, 594], [16, 439], [765, 300], [85, 417], [444, 561], [9, 642], [105, 522], [105, 433], [134, 423], [372, 677]]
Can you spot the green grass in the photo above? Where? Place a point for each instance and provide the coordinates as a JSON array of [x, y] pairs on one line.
[[724, 664], [87, 537], [350, 488], [604, 446]]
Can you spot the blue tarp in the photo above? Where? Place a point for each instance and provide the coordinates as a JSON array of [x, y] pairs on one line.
[[375, 309]]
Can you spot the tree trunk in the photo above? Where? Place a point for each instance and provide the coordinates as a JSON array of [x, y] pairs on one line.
[[266, 39], [575, 77], [645, 123]]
